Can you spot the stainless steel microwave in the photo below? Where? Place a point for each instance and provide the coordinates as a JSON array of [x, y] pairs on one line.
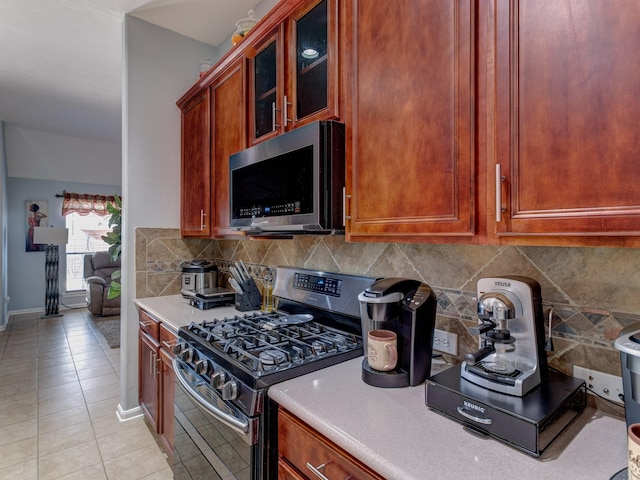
[[291, 183]]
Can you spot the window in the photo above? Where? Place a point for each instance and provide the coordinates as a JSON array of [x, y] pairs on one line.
[[85, 236]]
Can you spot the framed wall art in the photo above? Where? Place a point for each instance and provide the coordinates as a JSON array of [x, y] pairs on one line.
[[37, 215]]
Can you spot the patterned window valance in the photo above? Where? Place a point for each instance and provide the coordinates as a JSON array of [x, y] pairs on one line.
[[84, 204]]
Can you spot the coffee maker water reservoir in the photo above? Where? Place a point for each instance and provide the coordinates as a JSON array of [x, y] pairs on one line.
[[629, 345]]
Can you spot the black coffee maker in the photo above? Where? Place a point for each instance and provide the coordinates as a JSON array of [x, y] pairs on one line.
[[408, 308]]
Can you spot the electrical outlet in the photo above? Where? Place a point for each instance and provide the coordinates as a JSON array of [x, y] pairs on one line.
[[445, 342], [603, 384]]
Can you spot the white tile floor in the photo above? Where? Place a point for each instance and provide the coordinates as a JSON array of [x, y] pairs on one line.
[[59, 389]]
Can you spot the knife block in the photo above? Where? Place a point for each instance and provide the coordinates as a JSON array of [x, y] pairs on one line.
[[250, 298]]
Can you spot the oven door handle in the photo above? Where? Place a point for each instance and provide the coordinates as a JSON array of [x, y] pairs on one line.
[[226, 418]]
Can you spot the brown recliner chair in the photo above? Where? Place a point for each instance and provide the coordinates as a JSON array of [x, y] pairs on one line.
[[98, 269]]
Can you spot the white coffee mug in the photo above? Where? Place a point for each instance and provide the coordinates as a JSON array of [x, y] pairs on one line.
[[633, 435], [382, 350]]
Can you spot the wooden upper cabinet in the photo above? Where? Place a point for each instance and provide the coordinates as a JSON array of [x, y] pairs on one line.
[[410, 159], [565, 78], [228, 120], [294, 71], [195, 218]]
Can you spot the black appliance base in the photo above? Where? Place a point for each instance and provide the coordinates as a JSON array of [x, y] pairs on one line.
[[391, 379], [528, 423]]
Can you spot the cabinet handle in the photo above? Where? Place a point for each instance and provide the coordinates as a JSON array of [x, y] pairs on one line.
[[150, 363], [499, 180], [316, 470], [285, 110], [202, 215], [345, 197], [156, 366], [146, 324], [273, 117], [168, 345], [153, 366]]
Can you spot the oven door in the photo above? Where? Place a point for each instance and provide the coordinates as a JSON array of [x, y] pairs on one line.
[[213, 439]]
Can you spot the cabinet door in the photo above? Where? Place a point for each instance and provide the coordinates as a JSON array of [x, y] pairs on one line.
[[148, 372], [228, 121], [195, 218], [302, 449], [410, 168], [266, 64], [565, 81], [312, 91]]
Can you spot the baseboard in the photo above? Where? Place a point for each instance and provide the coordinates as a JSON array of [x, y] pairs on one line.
[[62, 308], [126, 415]]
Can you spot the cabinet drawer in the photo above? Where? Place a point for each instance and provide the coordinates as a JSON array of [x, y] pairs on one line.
[[305, 449], [168, 339], [149, 325]]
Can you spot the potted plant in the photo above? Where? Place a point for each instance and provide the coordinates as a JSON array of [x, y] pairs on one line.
[[114, 239]]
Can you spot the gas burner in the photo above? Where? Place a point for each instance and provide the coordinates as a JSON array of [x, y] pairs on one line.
[[272, 357]]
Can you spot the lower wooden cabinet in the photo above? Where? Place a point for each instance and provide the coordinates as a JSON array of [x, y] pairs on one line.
[[305, 454], [156, 380]]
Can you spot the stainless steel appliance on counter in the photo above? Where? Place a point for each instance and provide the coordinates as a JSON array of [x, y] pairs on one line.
[[408, 309], [198, 275], [505, 389], [225, 424]]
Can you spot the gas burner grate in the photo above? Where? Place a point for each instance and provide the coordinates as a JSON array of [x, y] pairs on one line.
[[263, 345]]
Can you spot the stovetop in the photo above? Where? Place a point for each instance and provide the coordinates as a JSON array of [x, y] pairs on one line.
[[316, 325], [260, 345]]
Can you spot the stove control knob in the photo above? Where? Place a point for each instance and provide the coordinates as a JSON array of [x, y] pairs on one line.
[[230, 390], [218, 379], [178, 348], [203, 367], [189, 355]]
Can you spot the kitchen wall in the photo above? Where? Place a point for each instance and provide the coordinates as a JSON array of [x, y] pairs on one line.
[[594, 291], [4, 317]]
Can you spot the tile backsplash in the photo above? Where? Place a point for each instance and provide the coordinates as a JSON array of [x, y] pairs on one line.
[[594, 292]]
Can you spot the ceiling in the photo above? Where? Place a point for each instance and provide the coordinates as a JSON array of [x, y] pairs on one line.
[[60, 61]]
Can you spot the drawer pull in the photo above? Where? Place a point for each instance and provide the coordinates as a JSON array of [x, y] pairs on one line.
[[169, 345], [147, 324], [316, 470], [463, 411]]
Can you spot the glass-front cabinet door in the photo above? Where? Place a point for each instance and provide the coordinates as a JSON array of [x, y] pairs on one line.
[[267, 71], [294, 71], [311, 69]]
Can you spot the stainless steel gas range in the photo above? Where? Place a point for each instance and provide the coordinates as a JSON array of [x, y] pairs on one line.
[[225, 424]]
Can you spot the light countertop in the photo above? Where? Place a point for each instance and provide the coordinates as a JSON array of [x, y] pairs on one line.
[[175, 311], [417, 443], [393, 432]]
